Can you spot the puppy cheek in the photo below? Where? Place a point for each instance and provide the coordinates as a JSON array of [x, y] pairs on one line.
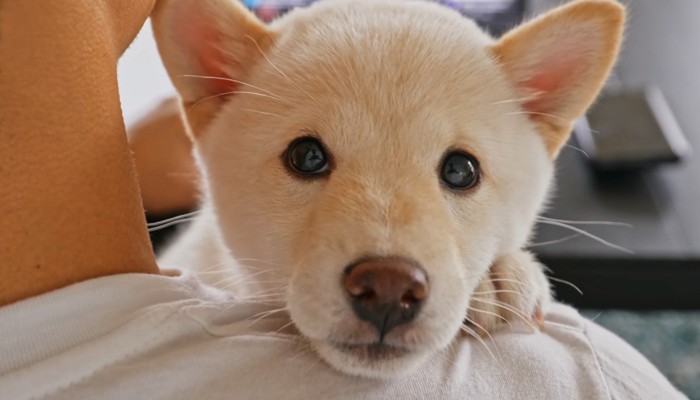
[[315, 302], [444, 315], [457, 282]]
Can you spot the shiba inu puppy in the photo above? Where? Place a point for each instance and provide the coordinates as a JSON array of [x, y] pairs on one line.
[[378, 165]]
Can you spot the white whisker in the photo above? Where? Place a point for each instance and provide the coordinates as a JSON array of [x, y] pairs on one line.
[[556, 241], [262, 112], [238, 82], [517, 282], [521, 100], [538, 113], [580, 150], [284, 326], [260, 316], [506, 307], [262, 53], [498, 291], [487, 333], [492, 314], [229, 93], [477, 337], [587, 234], [175, 218], [176, 222], [572, 222], [567, 283]]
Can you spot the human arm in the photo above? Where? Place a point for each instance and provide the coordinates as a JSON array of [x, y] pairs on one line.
[[70, 202]]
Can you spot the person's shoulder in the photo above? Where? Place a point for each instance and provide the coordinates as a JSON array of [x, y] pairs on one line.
[[627, 373]]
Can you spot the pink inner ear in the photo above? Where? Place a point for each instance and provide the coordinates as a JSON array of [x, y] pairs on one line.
[[551, 82], [203, 41]]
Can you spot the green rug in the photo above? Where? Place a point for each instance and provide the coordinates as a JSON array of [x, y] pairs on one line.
[[669, 339]]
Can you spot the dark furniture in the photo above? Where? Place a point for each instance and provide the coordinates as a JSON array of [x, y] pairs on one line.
[[662, 204]]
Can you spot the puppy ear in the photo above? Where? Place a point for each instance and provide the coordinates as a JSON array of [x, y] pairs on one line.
[[560, 61], [208, 47]]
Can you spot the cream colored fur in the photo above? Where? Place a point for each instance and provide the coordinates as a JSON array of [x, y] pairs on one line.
[[389, 87]]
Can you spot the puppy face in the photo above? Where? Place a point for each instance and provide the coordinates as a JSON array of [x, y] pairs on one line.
[[376, 157]]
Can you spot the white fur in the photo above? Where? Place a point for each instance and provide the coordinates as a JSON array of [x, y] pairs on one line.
[[389, 87]]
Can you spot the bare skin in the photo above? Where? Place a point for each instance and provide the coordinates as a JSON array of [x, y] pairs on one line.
[[164, 163], [70, 207]]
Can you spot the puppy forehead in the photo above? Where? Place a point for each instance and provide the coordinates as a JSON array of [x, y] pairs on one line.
[[359, 48], [387, 67]]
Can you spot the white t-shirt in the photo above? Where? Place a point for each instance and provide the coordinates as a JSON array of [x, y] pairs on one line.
[[156, 337]]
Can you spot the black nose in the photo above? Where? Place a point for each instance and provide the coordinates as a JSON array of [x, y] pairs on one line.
[[386, 292]]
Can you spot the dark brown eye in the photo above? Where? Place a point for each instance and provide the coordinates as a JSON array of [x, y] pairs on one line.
[[306, 156], [459, 171]]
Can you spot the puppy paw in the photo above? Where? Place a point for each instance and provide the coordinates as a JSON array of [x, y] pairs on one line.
[[516, 289]]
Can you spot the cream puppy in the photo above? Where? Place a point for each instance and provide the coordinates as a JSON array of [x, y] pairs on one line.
[[378, 165]]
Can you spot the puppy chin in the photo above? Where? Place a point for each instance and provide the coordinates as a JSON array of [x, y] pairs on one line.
[[370, 361]]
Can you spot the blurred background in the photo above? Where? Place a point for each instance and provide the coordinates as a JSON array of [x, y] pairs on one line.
[[622, 234]]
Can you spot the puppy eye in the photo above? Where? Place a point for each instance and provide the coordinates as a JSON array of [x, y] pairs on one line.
[[459, 171], [306, 156]]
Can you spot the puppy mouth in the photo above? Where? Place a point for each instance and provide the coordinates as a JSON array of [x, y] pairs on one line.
[[371, 351], [371, 359]]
